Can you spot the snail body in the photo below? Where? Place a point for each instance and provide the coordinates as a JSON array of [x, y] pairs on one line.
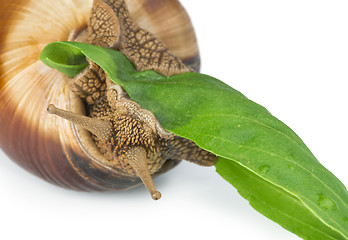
[[63, 152]]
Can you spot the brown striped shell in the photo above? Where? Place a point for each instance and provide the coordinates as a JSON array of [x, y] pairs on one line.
[[51, 148]]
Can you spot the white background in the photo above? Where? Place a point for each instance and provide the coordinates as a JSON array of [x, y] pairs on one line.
[[289, 56]]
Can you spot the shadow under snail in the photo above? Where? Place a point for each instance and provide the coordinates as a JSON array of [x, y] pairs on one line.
[[103, 140]]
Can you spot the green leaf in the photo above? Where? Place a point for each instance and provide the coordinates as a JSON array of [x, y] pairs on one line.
[[263, 158], [65, 59], [274, 202]]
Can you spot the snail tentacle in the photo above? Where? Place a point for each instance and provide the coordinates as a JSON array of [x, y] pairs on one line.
[[102, 129], [137, 158]]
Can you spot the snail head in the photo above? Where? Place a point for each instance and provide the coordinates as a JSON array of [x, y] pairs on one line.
[[128, 136]]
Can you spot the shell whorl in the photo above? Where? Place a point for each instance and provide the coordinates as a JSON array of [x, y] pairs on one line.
[[46, 146]]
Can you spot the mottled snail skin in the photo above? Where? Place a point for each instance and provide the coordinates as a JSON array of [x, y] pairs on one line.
[[178, 34], [48, 146]]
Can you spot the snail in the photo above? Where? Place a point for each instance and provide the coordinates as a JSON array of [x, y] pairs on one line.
[[85, 133]]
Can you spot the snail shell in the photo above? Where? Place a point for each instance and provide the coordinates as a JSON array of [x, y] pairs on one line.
[[51, 148]]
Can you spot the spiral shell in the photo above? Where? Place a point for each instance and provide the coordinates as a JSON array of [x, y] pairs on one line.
[[49, 147]]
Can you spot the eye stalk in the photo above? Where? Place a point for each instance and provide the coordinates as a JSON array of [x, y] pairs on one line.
[[102, 129], [137, 158]]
